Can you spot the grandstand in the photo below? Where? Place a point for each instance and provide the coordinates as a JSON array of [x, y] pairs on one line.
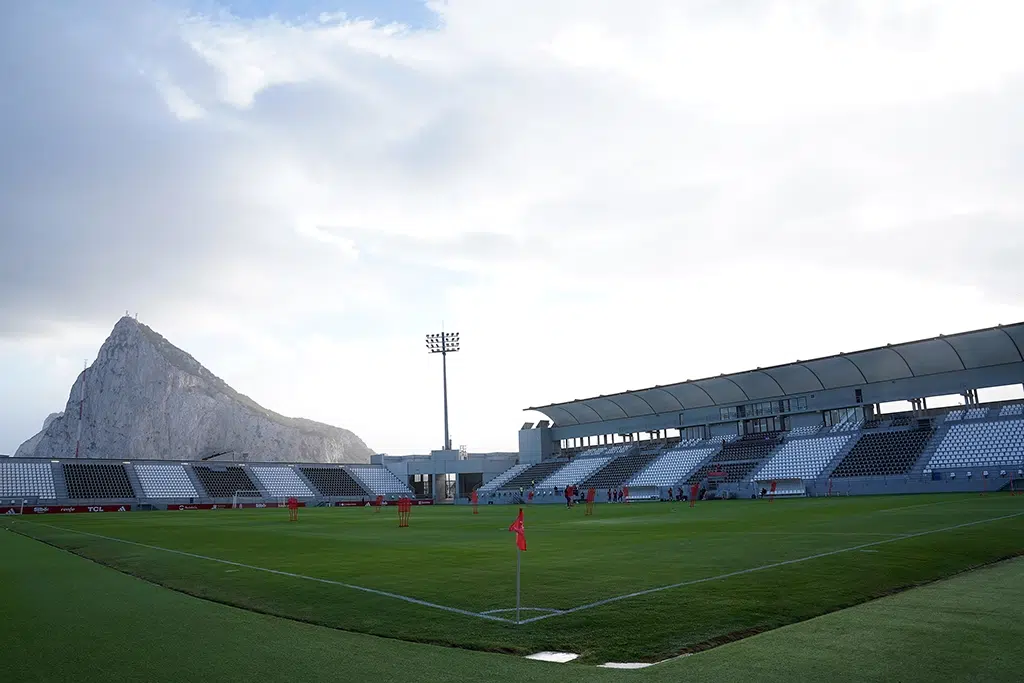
[[26, 480], [225, 482], [998, 444], [802, 458], [575, 472], [165, 481], [97, 481], [380, 481], [884, 454], [620, 470], [506, 476], [334, 482], [280, 481], [813, 425], [672, 467], [534, 474]]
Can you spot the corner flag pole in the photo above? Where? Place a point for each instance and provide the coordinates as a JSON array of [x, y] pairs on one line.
[[517, 528], [518, 556]]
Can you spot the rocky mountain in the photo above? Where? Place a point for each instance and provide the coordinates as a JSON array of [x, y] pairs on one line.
[[147, 399]]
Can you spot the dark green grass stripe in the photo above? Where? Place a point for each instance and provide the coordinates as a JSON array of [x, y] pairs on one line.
[[374, 591], [773, 565]]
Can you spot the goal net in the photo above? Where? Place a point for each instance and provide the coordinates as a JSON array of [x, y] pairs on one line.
[[241, 495]]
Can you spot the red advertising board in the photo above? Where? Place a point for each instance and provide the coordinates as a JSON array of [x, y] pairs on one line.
[[61, 509], [227, 506], [361, 503]]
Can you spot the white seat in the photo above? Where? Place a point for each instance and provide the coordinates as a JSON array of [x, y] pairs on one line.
[[165, 481], [281, 481], [27, 479]]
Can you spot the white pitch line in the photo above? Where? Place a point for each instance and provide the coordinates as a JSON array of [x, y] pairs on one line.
[[524, 609], [396, 596], [741, 572]]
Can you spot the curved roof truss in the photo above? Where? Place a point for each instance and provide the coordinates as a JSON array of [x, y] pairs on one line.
[[943, 354]]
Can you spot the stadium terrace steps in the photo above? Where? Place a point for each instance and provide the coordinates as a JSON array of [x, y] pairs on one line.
[[224, 481], [501, 479], [884, 453], [280, 481], [537, 473], [334, 482], [380, 480], [996, 444], [60, 484], [671, 467], [27, 480], [133, 479], [165, 481], [620, 470], [575, 472], [802, 458], [96, 481]]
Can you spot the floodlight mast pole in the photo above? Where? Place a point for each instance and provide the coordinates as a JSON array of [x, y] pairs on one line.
[[444, 343]]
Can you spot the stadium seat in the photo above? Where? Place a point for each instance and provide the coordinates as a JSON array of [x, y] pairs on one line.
[[575, 472], [334, 481], [805, 431], [738, 458], [671, 467], [501, 479], [1012, 410], [225, 482], [27, 479], [88, 481], [803, 458], [165, 481], [980, 444], [620, 470], [281, 482], [380, 480], [887, 453], [535, 473]]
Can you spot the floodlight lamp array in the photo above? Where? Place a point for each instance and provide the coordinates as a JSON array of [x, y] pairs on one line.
[[443, 342]]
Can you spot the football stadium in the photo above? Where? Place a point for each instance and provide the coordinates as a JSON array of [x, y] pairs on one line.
[[779, 523]]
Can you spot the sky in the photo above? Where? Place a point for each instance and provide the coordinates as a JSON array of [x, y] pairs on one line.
[[599, 196]]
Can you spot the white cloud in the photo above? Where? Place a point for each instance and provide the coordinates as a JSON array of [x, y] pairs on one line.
[[598, 196]]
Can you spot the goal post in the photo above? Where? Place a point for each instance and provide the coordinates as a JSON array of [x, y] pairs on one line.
[[236, 503]]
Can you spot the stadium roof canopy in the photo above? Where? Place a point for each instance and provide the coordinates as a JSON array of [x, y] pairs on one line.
[[943, 354]]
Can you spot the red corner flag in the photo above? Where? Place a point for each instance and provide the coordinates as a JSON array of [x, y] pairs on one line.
[[517, 528]]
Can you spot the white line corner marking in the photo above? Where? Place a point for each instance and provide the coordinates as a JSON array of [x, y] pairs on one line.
[[490, 614]]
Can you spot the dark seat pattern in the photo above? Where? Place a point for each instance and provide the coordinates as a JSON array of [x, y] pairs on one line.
[[224, 482], [738, 458], [537, 473], [333, 481], [884, 453], [96, 481], [620, 470]]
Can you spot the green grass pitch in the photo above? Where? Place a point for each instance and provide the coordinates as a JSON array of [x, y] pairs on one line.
[[601, 584]]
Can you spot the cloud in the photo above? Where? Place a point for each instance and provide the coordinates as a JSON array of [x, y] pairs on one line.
[[598, 200]]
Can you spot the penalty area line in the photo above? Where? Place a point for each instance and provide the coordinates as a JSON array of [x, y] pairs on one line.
[[763, 567], [278, 572]]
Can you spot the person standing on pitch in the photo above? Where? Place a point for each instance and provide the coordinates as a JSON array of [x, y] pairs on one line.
[[591, 495], [293, 509]]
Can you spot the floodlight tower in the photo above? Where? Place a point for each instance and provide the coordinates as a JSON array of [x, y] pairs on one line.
[[444, 343]]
